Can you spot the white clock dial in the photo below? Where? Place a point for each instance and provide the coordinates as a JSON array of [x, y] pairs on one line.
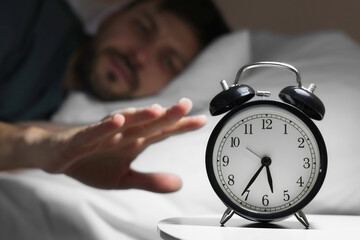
[[266, 160]]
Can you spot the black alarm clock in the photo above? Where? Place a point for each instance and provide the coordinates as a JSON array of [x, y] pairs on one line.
[[265, 159]]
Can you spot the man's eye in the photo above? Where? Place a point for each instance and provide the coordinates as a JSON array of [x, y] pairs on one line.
[[171, 64], [168, 62], [142, 29]]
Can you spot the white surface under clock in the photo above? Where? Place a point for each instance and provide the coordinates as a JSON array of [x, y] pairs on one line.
[[207, 227]]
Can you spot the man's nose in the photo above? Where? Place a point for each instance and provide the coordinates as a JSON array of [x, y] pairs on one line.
[[142, 55]]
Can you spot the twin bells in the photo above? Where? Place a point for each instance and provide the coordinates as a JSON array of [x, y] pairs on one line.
[[298, 96]]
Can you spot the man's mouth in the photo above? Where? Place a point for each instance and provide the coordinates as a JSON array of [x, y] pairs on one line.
[[119, 71]]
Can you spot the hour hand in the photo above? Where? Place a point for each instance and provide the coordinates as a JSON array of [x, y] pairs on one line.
[[266, 161], [269, 178]]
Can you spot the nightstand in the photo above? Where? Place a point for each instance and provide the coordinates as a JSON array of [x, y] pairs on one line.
[[208, 227]]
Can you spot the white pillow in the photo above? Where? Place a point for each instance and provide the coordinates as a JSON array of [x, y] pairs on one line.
[[199, 82]]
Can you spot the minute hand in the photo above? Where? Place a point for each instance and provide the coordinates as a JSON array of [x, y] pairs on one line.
[[252, 180]]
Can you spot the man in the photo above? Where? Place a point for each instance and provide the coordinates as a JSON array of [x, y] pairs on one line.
[[136, 52]]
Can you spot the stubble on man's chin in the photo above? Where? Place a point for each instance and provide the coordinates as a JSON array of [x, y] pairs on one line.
[[84, 71]]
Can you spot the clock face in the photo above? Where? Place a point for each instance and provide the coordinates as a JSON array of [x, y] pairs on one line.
[[266, 160]]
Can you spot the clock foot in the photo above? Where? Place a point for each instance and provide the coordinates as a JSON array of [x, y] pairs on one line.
[[302, 218], [226, 216]]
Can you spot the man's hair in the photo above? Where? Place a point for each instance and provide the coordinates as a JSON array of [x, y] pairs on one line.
[[203, 16]]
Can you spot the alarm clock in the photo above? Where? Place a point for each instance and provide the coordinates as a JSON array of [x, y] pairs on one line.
[[265, 159]]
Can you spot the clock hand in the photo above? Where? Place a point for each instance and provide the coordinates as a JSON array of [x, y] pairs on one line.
[[253, 179], [269, 178], [265, 162], [252, 152]]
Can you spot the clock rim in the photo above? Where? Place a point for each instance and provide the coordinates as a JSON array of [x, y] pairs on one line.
[[259, 216]]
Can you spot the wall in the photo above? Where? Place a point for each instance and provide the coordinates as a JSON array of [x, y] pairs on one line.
[[293, 16]]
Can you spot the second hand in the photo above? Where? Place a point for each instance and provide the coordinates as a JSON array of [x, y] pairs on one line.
[[252, 152]]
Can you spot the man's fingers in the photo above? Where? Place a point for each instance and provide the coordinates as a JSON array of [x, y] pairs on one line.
[[177, 111], [184, 125], [136, 116], [88, 136], [125, 126], [115, 123], [169, 117], [154, 182]]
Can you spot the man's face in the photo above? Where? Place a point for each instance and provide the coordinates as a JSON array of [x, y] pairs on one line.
[[138, 51]]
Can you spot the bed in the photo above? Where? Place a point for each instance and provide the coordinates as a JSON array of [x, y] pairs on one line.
[[37, 205]]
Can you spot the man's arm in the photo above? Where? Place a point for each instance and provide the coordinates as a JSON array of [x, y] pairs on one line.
[[99, 155], [10, 136]]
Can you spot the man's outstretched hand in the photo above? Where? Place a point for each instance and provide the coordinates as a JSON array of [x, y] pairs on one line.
[[100, 155]]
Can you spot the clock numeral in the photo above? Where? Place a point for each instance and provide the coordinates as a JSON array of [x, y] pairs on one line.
[[225, 160], [266, 124], [301, 142], [247, 192], [285, 129], [248, 129], [265, 200], [235, 142], [286, 195], [231, 180], [306, 163], [300, 182]]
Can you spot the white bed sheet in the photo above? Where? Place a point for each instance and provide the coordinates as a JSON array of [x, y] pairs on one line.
[[36, 205]]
